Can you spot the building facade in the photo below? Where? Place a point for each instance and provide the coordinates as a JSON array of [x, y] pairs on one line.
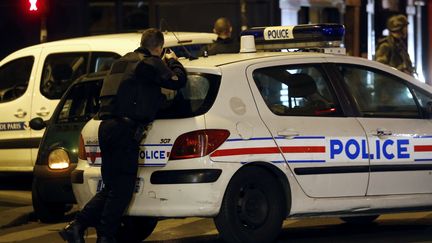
[[364, 19]]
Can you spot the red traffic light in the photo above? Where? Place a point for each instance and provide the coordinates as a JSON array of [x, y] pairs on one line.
[[33, 5]]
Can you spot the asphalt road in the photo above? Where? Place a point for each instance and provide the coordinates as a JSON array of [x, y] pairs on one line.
[[398, 228], [15, 207]]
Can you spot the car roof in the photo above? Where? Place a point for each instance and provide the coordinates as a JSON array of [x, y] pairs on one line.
[[226, 59], [127, 40], [213, 63]]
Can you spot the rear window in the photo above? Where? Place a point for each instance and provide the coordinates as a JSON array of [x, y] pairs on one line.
[[195, 99]]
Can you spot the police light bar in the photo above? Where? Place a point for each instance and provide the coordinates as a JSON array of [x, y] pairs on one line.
[[296, 37]]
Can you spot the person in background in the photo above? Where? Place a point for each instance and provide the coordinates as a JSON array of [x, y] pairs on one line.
[[130, 98], [392, 50], [224, 42]]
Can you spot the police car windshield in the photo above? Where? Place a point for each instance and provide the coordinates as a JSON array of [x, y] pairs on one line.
[[81, 103]]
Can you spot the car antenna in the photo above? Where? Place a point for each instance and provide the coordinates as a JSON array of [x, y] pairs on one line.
[[190, 56]]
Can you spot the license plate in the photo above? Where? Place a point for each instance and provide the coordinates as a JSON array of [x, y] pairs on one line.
[[138, 185]]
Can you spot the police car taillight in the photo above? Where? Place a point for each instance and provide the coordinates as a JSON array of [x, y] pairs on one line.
[[307, 36], [82, 154], [198, 143]]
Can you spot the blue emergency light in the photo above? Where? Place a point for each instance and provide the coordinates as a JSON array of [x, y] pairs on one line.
[[298, 36]]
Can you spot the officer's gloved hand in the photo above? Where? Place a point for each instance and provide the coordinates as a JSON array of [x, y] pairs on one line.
[[170, 55]]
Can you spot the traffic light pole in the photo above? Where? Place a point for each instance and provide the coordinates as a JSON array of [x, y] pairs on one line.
[[43, 29]]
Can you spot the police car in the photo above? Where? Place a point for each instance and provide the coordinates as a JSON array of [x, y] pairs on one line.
[[261, 136]]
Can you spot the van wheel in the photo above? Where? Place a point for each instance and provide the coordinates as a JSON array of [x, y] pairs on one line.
[[47, 212], [360, 219], [253, 207], [135, 229]]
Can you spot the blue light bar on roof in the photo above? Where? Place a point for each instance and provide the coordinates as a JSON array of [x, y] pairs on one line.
[[299, 36]]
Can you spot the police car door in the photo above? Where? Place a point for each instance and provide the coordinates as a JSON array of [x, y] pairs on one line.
[[324, 149], [399, 138]]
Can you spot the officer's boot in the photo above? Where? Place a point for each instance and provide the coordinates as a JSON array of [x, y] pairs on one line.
[[105, 239], [73, 232]]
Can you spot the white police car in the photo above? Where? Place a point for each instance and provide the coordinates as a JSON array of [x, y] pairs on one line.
[[258, 137]]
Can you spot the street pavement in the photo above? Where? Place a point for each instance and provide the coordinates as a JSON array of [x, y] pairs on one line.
[[394, 228], [15, 199], [18, 224]]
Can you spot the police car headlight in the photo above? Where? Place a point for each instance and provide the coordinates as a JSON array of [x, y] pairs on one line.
[[58, 159]]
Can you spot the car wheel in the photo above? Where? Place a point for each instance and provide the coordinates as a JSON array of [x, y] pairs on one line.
[[253, 207], [360, 219], [136, 229], [47, 212]]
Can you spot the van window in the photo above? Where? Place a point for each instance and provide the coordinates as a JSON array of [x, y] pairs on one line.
[[101, 61], [60, 70], [14, 78]]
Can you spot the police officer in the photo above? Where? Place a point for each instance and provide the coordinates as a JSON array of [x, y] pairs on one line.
[[130, 98], [224, 43], [392, 49]]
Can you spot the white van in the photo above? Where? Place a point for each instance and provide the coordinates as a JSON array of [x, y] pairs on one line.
[[33, 79]]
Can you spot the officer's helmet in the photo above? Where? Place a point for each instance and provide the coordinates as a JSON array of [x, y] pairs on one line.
[[397, 22]]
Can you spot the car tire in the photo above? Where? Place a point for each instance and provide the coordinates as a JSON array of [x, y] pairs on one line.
[[134, 229], [360, 219], [253, 207], [47, 212]]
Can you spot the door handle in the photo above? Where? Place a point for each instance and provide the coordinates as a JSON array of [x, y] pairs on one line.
[[43, 112], [288, 133], [20, 113], [382, 132]]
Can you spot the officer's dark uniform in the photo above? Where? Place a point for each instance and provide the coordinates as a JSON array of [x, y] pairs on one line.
[[393, 51], [130, 99], [227, 45]]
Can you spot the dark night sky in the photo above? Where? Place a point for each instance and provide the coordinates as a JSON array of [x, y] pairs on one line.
[[19, 27]]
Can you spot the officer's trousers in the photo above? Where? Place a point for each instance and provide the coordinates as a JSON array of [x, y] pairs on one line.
[[119, 151]]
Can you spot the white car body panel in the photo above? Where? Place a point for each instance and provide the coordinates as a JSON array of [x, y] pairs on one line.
[[17, 113]]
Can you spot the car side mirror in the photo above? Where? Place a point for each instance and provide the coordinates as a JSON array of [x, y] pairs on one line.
[[37, 123]]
